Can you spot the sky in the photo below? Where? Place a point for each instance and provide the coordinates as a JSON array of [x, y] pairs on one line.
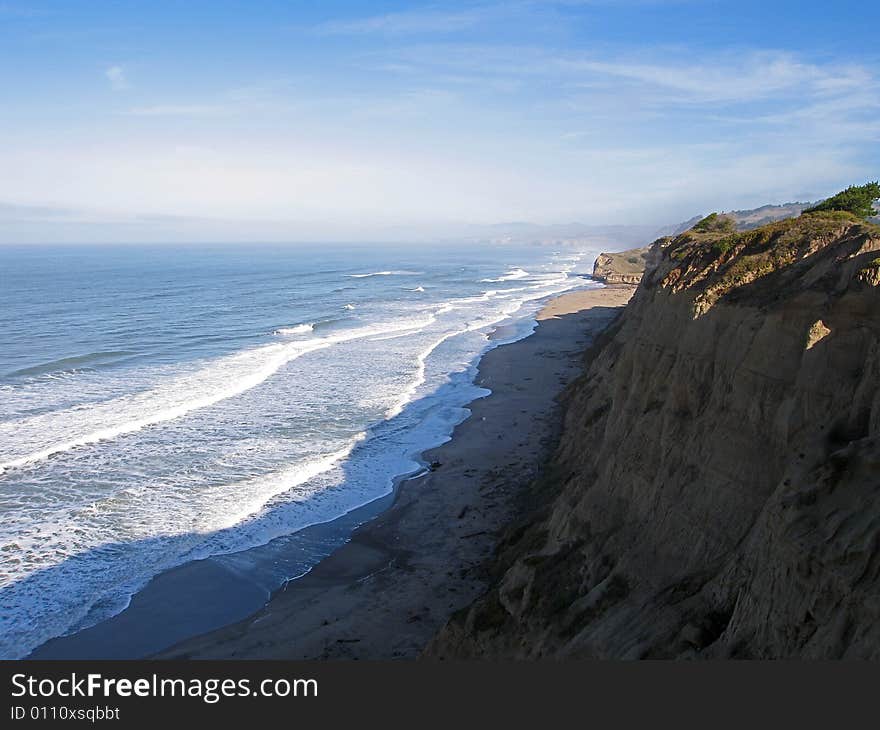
[[259, 119]]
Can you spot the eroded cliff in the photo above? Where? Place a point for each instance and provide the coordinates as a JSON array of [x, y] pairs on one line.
[[716, 490], [625, 267]]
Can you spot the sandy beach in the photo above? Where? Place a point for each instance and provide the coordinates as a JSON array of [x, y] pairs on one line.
[[387, 591]]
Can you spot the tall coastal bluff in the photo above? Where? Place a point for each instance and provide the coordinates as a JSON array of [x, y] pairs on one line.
[[716, 489], [626, 267]]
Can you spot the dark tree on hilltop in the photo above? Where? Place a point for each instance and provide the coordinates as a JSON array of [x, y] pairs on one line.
[[856, 199]]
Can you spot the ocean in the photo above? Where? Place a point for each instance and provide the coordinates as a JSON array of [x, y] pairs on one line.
[[160, 404]]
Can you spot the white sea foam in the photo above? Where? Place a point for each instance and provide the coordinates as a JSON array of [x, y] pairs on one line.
[[232, 481], [512, 275], [480, 323], [372, 273], [422, 357], [220, 509], [231, 504], [401, 272], [216, 382], [299, 329]]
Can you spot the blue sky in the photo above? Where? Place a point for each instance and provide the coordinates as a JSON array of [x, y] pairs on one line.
[[304, 120]]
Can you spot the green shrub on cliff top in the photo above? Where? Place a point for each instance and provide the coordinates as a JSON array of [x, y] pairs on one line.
[[723, 245], [714, 223], [856, 199]]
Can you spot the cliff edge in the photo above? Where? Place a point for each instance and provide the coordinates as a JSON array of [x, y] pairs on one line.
[[716, 489], [624, 267]]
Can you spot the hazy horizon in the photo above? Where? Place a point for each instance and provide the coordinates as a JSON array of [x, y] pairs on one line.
[[230, 121]]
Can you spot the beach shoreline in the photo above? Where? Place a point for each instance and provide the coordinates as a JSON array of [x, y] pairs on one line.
[[209, 608], [387, 591]]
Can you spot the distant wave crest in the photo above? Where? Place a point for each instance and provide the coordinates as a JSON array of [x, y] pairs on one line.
[[401, 272], [216, 382], [299, 329], [511, 275]]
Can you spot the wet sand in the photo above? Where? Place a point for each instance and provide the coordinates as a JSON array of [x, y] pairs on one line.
[[387, 591]]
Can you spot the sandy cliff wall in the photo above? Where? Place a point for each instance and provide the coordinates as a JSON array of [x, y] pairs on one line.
[[716, 492], [624, 267]]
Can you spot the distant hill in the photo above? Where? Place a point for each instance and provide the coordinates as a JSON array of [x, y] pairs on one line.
[[618, 237], [626, 267], [755, 218], [745, 219], [558, 234], [612, 238]]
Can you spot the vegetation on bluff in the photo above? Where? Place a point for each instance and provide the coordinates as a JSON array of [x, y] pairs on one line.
[[714, 258], [714, 223], [856, 199]]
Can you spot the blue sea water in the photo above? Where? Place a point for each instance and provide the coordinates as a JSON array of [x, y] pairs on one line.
[[162, 404]]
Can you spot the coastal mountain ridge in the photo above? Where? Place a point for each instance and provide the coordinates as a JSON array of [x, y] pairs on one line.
[[627, 267], [615, 236], [714, 492]]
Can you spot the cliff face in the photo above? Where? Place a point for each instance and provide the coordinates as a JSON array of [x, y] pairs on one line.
[[625, 267], [716, 491]]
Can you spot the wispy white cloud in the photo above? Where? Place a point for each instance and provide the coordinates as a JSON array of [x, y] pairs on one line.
[[740, 78], [406, 23], [259, 97], [660, 90], [682, 76], [434, 20], [179, 110], [466, 111], [117, 78], [485, 132]]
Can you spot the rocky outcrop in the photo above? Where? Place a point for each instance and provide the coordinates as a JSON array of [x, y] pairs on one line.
[[624, 267], [716, 489]]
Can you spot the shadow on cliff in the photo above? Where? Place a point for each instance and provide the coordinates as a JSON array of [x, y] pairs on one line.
[[717, 489]]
